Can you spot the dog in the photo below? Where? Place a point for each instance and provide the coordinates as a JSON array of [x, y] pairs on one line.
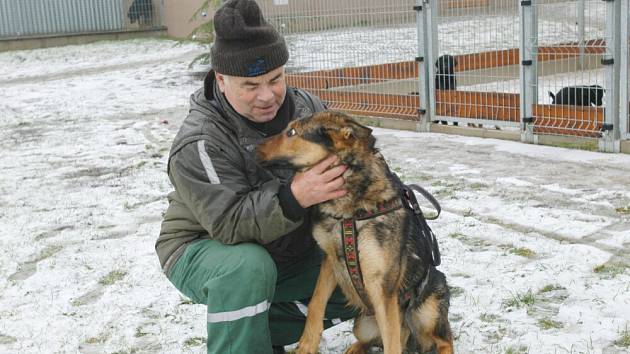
[[445, 75], [404, 301], [141, 11], [579, 96]]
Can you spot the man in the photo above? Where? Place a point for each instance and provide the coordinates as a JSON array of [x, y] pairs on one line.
[[236, 237]]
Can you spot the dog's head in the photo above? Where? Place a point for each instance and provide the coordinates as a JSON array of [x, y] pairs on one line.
[[596, 95], [446, 64], [307, 141]]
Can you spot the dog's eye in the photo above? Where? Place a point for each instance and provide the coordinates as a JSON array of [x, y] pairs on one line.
[[291, 132]]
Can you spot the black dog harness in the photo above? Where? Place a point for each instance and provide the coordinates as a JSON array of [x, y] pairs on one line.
[[350, 240]]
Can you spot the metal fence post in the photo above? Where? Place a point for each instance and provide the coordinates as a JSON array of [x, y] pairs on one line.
[[581, 42], [609, 142], [423, 73], [431, 49], [528, 50], [624, 117]]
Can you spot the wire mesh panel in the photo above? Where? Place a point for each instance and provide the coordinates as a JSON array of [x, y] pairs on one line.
[[571, 85], [477, 62], [34, 18], [357, 55], [143, 14]]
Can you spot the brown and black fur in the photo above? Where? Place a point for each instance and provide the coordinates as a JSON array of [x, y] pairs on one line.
[[393, 260]]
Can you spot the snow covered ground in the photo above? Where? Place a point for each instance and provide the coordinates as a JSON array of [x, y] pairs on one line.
[[535, 240]]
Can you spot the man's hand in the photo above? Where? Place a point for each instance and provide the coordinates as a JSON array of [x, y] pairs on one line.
[[319, 184]]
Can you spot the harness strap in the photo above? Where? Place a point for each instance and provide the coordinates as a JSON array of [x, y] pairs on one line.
[[351, 255], [426, 233], [414, 202], [350, 241]]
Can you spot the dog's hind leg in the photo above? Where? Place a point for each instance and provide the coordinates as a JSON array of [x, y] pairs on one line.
[[433, 328], [314, 326], [366, 331]]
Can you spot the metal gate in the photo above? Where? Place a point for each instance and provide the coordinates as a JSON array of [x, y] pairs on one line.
[[474, 63]]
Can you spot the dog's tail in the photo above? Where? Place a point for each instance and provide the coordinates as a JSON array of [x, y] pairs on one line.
[[553, 97]]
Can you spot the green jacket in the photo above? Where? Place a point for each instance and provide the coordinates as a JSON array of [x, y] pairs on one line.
[[221, 192]]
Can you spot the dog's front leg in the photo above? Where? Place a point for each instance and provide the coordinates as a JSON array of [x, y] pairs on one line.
[[387, 315], [324, 288]]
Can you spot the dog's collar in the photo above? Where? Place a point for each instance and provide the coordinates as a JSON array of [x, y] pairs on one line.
[[381, 208]]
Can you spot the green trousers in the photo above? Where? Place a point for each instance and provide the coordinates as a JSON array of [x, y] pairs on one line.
[[251, 303]]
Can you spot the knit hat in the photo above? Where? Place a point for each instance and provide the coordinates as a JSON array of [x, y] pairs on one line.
[[245, 44]]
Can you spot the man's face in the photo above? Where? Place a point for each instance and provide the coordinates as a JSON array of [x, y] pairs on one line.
[[256, 98]]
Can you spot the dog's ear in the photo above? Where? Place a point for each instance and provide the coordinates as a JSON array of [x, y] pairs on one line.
[[359, 132]]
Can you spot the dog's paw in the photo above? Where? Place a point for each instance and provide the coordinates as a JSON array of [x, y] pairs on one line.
[[307, 345], [356, 348], [301, 350]]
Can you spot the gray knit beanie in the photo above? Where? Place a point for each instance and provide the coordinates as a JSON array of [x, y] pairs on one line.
[[245, 44]]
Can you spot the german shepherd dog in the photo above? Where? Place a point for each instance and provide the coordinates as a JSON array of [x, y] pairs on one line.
[[405, 299]]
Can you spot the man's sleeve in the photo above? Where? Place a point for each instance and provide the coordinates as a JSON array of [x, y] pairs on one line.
[[218, 194]]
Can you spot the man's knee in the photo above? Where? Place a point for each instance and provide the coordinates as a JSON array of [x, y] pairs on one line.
[[254, 263], [209, 265]]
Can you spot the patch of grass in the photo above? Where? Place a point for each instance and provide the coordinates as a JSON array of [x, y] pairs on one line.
[[461, 275], [469, 241], [547, 323], [94, 340], [624, 338], [130, 351], [4, 339], [112, 277], [140, 333], [455, 291], [589, 145], [185, 301], [521, 349], [488, 317], [623, 210], [477, 186], [438, 183], [457, 235], [446, 193], [523, 252], [421, 178], [609, 270], [550, 287], [520, 300], [194, 341]]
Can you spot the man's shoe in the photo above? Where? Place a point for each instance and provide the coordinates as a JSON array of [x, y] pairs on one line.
[[278, 349]]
